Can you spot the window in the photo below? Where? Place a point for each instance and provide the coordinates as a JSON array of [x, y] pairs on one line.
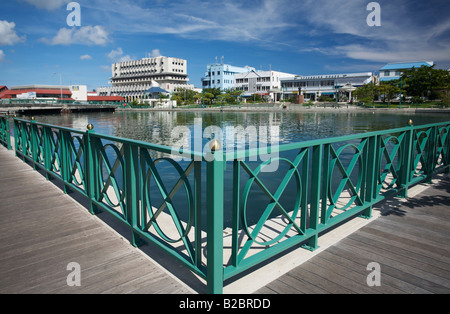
[[387, 73]]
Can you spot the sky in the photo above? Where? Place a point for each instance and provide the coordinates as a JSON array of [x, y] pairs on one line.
[[38, 45]]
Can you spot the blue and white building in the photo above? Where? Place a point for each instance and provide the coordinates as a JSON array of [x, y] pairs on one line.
[[220, 75], [314, 86], [393, 71]]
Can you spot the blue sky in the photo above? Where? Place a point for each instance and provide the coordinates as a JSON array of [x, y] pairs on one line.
[[304, 37]]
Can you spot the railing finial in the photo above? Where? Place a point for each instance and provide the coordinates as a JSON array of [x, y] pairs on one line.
[[90, 126], [214, 145], [410, 122]]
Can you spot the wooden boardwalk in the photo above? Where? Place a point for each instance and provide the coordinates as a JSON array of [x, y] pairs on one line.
[[42, 230], [410, 242]]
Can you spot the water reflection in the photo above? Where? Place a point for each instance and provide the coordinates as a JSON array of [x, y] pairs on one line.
[[156, 127]]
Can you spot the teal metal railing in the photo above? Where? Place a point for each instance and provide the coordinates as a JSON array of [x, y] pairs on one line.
[[5, 134], [164, 201]]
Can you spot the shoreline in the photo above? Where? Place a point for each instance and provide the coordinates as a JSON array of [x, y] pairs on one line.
[[290, 109]]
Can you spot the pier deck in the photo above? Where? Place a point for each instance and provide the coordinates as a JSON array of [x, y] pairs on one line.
[[42, 230], [410, 241]]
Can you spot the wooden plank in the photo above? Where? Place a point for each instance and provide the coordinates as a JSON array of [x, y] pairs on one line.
[[391, 277], [425, 281], [360, 269], [410, 242], [417, 245], [416, 267], [428, 246], [306, 273], [300, 285], [42, 230], [410, 251]]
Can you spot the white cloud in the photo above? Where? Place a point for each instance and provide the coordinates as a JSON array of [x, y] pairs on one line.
[[49, 5], [155, 53], [408, 31], [85, 57], [2, 56], [213, 20], [117, 56], [106, 68], [115, 53], [86, 35], [8, 35]]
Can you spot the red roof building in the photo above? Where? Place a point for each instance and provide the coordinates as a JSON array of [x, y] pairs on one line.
[[42, 91]]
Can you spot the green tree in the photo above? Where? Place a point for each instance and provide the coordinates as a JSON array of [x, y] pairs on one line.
[[426, 81], [388, 89], [208, 98], [366, 93], [185, 96]]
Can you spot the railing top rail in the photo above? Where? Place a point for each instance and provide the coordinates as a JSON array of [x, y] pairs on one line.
[[245, 153], [156, 147], [51, 126]]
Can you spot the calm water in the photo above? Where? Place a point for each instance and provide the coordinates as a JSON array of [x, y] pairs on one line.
[[156, 127]]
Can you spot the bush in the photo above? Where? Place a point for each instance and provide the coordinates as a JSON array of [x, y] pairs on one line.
[[325, 98]]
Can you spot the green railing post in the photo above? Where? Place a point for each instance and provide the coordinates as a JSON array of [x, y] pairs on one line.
[[372, 171], [8, 133], [34, 141], [325, 180], [90, 166], [24, 140], [235, 219], [446, 151], [431, 151], [47, 150], [214, 228], [65, 158], [405, 169], [198, 211], [131, 190], [16, 134], [316, 175]]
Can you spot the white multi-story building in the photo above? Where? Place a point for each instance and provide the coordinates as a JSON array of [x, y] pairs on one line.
[[265, 83], [314, 86], [131, 79], [219, 75]]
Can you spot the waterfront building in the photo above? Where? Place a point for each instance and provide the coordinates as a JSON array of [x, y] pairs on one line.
[[79, 92], [393, 71], [37, 92], [314, 86], [220, 75], [264, 83], [130, 79]]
